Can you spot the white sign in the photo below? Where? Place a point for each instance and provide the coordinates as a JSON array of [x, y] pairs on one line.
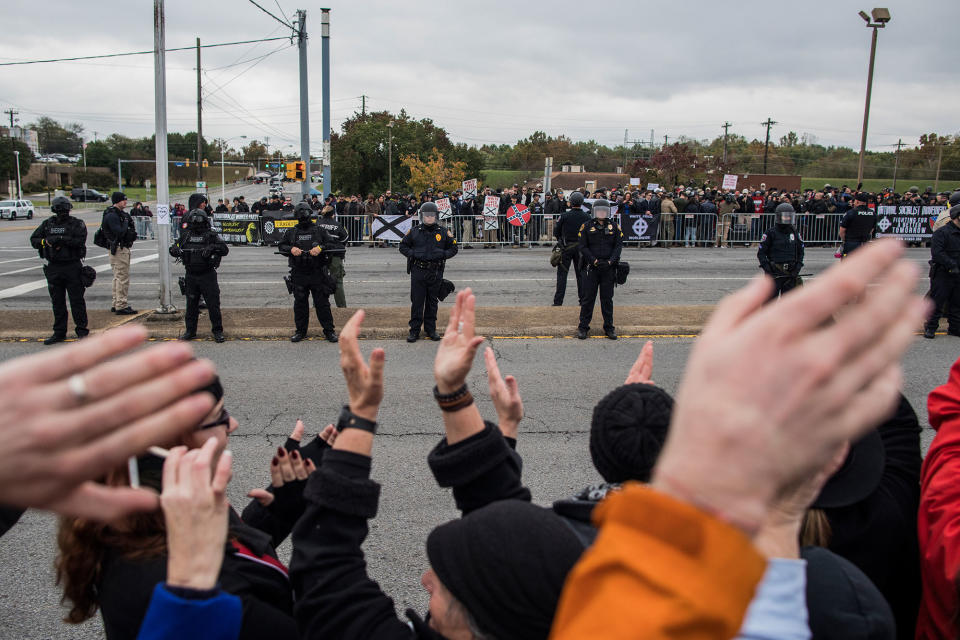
[[391, 227], [201, 185], [163, 213], [634, 182], [491, 209], [443, 206], [652, 186], [148, 185], [469, 188], [730, 181]]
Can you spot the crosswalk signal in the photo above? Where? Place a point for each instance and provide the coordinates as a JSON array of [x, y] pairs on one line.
[[299, 171]]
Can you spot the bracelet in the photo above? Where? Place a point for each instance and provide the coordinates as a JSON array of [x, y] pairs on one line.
[[450, 402], [450, 397], [463, 403], [349, 420]]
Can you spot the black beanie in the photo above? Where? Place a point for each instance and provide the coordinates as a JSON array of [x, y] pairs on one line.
[[117, 196], [506, 563], [628, 430], [196, 201]]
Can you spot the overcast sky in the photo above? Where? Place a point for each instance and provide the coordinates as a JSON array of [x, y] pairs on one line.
[[494, 72]]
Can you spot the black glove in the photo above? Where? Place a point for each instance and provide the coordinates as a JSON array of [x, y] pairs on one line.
[[207, 253], [176, 251], [55, 240], [603, 264], [953, 271]]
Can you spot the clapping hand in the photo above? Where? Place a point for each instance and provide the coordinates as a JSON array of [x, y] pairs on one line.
[[285, 467], [505, 395], [364, 382], [459, 346], [642, 369]]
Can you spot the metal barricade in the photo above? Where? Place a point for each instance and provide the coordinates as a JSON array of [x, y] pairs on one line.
[[144, 227], [686, 229], [742, 229]]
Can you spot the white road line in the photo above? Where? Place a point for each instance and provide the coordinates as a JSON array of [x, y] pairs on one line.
[[19, 259], [27, 287], [39, 266]]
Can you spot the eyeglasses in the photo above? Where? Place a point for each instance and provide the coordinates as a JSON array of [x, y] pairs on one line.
[[223, 420]]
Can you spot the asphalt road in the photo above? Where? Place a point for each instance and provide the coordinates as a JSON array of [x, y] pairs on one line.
[[252, 276], [270, 384]]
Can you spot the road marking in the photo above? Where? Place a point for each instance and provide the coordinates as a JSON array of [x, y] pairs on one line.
[[27, 287], [19, 259], [40, 266]]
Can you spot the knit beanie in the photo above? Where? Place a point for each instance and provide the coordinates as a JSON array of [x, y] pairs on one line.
[[506, 563], [628, 430]]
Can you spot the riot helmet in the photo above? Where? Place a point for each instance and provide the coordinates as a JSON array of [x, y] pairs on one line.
[[914, 189], [576, 199], [428, 210], [601, 209], [785, 214], [303, 212], [61, 206], [955, 198], [197, 220]]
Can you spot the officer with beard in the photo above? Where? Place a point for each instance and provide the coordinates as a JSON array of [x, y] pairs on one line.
[[858, 225], [304, 245], [781, 251], [61, 240], [600, 243], [427, 247], [945, 276], [200, 249]]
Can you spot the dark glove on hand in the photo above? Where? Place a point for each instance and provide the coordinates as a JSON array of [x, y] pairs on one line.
[[954, 271], [288, 503], [603, 264]]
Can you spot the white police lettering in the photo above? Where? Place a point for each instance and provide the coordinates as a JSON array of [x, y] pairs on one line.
[[196, 239], [305, 238], [58, 230], [791, 237]]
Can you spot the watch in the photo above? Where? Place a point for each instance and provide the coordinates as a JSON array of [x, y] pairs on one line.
[[349, 420]]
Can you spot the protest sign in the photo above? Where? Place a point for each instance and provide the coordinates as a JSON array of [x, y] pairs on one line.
[[729, 181], [443, 206], [491, 209], [391, 227], [469, 188]]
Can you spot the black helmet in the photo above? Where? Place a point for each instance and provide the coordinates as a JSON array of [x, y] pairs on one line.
[[428, 209], [303, 211], [603, 206], [782, 211], [197, 220], [955, 212], [196, 201], [914, 189], [576, 199], [60, 205], [955, 198]]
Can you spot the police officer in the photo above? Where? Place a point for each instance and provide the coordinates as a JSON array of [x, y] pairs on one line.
[[781, 250], [566, 231], [336, 251], [201, 250], [304, 245], [61, 240], [945, 276], [600, 244], [427, 247], [858, 226]]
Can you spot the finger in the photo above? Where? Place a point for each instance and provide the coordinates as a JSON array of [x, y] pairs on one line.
[[286, 468], [472, 348], [264, 497], [454, 317], [469, 315], [513, 387], [222, 474], [104, 380], [871, 406], [94, 501], [812, 305], [327, 434], [646, 369], [298, 469], [378, 358], [493, 371], [98, 456], [65, 361], [351, 361], [171, 468], [91, 421], [276, 476], [310, 466], [733, 309], [297, 431]]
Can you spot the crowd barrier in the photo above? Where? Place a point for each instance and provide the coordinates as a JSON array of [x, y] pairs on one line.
[[912, 224]]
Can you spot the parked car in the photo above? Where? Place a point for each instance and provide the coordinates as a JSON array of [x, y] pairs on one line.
[[13, 209], [90, 195]]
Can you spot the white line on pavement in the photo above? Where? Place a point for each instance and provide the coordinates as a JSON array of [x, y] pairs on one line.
[[27, 287]]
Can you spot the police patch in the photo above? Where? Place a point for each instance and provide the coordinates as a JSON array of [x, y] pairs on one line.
[[763, 238], [439, 237]]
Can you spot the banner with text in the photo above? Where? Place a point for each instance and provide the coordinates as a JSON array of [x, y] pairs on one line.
[[237, 228], [912, 224], [491, 209], [640, 227], [443, 206], [470, 188]]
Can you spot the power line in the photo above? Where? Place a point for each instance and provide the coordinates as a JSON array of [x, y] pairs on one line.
[[284, 23], [139, 53]]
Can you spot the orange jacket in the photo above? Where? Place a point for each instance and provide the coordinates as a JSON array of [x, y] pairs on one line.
[[659, 568]]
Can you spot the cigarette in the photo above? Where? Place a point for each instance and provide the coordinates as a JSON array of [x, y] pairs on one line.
[[160, 452], [133, 470]]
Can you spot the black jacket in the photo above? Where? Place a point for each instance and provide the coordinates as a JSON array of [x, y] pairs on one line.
[[567, 228], [860, 223], [200, 251], [305, 238], [338, 235], [430, 244], [119, 227], [60, 240], [781, 245], [600, 240], [945, 248]]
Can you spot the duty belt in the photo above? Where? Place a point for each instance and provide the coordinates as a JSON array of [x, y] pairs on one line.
[[424, 264]]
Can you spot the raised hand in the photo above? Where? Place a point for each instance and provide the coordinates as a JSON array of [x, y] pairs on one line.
[[459, 346], [642, 369], [364, 382], [505, 394]]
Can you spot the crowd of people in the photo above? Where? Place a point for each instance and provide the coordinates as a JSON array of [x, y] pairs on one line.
[[779, 494]]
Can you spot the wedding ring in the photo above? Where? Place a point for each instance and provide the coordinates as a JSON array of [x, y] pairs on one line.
[[77, 387]]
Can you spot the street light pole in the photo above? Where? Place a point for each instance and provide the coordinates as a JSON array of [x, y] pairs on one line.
[[16, 153], [390, 155], [880, 19]]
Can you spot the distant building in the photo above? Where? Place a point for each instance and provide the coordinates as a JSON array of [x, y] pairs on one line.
[[27, 136]]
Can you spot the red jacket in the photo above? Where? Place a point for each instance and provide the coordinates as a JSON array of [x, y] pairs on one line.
[[938, 523]]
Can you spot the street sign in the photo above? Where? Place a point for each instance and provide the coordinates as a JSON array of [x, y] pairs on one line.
[[148, 185], [201, 185]]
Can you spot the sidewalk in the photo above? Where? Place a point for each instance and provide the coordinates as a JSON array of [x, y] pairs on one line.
[[384, 322]]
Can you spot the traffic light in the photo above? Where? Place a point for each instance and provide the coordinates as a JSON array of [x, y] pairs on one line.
[[291, 170], [187, 161], [205, 163], [299, 171]]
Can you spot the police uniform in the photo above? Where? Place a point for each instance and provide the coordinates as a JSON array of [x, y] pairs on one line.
[[309, 275], [426, 248], [200, 249], [61, 241], [567, 232], [601, 242], [860, 224], [945, 277], [337, 251], [781, 256]]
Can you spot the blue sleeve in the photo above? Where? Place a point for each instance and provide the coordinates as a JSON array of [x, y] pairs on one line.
[[171, 617], [779, 608]]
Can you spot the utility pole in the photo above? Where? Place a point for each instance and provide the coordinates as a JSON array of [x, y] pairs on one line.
[[363, 105], [665, 138], [390, 156], [11, 113], [625, 131], [766, 148], [199, 121], [896, 164], [325, 63], [726, 130], [163, 183], [936, 180], [304, 100], [94, 136]]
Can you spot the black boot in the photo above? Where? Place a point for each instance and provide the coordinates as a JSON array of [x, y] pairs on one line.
[[433, 336], [331, 335], [929, 334], [581, 334], [188, 335], [297, 337], [54, 339], [414, 336], [611, 334], [218, 337]]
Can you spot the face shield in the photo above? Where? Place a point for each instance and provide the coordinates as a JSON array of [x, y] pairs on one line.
[[601, 210]]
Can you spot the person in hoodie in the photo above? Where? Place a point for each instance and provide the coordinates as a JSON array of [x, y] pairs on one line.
[[121, 233]]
